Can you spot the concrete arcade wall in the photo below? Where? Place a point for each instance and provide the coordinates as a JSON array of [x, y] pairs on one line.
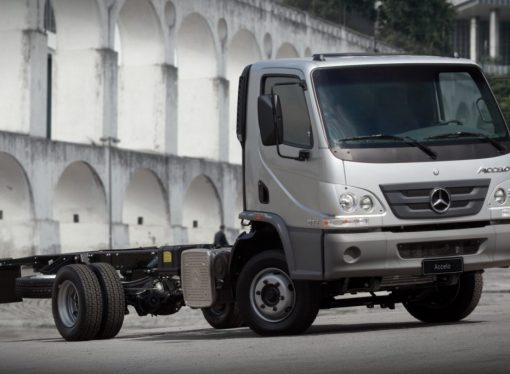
[[159, 75]]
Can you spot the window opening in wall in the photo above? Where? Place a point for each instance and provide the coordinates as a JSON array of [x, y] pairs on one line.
[[50, 27], [1, 214], [48, 95], [140, 220], [195, 224], [49, 18], [76, 218]]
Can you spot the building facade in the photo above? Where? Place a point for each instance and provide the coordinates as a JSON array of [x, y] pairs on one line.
[[482, 33], [118, 116]]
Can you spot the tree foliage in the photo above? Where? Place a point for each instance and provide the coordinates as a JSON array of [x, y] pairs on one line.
[[335, 10], [417, 26], [501, 88]]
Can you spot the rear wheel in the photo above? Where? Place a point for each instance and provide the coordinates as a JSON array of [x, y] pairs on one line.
[[114, 301], [77, 303], [223, 316], [270, 302], [449, 303]]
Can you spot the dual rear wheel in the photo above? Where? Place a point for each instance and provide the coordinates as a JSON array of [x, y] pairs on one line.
[[88, 302]]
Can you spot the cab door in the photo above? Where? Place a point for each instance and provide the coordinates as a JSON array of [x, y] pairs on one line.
[[288, 179]]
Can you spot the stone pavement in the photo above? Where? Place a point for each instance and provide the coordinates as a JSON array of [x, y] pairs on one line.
[[34, 313]]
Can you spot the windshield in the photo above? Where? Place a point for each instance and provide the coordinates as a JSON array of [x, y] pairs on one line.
[[435, 105]]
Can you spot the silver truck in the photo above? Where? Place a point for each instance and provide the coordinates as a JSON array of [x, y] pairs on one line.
[[380, 176]]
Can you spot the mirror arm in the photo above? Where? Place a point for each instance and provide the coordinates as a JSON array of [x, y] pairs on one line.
[[303, 155]]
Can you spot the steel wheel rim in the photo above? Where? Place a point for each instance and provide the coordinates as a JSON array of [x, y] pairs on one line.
[[272, 295], [68, 303]]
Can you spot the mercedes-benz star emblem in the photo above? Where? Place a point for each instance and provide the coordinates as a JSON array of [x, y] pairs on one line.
[[440, 200]]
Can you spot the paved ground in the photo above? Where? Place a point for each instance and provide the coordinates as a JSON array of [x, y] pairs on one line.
[[353, 340]]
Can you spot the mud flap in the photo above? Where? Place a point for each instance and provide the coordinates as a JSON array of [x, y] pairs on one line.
[[8, 275]]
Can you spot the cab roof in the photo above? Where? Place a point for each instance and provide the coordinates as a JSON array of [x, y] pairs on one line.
[[357, 59]]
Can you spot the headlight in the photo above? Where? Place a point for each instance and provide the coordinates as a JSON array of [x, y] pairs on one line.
[[366, 203], [500, 196], [347, 202]]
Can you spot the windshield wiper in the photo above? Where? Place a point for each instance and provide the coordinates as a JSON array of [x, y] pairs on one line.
[[467, 134], [407, 140]]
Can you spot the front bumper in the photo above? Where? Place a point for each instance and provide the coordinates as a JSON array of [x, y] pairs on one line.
[[373, 254]]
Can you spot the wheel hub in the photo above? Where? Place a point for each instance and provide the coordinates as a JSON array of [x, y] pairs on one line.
[[68, 304], [272, 295]]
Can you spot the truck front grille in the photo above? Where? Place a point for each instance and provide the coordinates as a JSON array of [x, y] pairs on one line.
[[197, 282], [405, 280], [442, 248], [413, 200]]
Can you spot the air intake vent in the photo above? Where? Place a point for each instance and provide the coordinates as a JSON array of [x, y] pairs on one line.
[[197, 280], [405, 280], [443, 248]]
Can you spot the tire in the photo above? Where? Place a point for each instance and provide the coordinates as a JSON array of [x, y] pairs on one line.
[[35, 287], [114, 300], [449, 303], [270, 302], [77, 303], [224, 316]]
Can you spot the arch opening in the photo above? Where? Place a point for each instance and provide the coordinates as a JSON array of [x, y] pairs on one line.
[[142, 78], [201, 213], [242, 51], [80, 208], [16, 209], [145, 211], [287, 50], [199, 89], [81, 71]]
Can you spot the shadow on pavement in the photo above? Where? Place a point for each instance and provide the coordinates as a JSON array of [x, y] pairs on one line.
[[241, 333]]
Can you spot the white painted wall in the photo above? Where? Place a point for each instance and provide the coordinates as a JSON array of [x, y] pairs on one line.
[[79, 191], [22, 69], [287, 50], [143, 81], [201, 204], [142, 107], [146, 198], [79, 95], [242, 51], [16, 225], [175, 91], [198, 112]]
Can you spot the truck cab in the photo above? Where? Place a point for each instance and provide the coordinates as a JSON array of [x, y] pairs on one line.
[[374, 173]]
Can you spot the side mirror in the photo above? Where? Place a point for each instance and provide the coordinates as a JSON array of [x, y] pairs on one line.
[[268, 106]]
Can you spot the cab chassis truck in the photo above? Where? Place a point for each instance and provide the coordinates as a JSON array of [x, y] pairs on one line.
[[361, 174]]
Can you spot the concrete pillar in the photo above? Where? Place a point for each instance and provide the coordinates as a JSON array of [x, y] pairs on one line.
[[473, 39], [222, 90], [43, 178], [120, 236], [84, 89], [148, 107], [494, 42], [23, 64], [229, 198], [47, 234], [120, 179], [172, 75]]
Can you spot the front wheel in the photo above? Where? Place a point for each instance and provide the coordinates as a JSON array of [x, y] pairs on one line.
[[449, 303], [271, 303]]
